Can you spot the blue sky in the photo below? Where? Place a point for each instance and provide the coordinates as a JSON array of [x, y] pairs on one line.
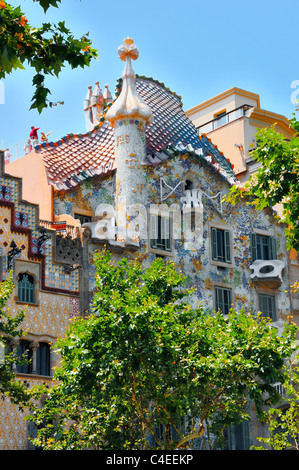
[[197, 48]]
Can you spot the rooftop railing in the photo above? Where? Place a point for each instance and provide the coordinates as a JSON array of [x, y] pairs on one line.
[[223, 119], [61, 227]]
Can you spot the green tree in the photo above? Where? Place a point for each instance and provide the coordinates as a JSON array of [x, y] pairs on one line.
[[283, 422], [9, 328], [145, 370], [45, 49], [277, 180]]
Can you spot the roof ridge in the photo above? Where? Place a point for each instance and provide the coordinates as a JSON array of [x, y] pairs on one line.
[[154, 80]]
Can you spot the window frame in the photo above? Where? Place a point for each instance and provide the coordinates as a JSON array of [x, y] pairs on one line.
[[257, 238], [25, 292], [39, 363], [219, 115], [43, 363], [154, 228], [78, 216], [268, 295], [31, 268], [24, 346], [227, 244], [82, 213], [223, 287]]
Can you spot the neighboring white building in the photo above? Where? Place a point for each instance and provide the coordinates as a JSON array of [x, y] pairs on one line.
[[231, 120]]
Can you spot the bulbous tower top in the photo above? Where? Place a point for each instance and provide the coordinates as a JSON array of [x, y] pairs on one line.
[[129, 104]]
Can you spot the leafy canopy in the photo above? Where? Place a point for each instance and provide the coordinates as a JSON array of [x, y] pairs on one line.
[[45, 49], [146, 360], [283, 422]]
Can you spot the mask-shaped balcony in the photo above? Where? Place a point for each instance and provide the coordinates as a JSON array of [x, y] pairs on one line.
[[267, 272]]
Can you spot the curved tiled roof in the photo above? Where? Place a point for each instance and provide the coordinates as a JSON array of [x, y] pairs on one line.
[[78, 156]]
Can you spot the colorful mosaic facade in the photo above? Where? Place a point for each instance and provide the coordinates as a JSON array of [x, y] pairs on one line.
[[57, 299]]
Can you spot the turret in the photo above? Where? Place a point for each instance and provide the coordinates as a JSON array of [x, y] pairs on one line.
[[107, 95], [129, 115], [94, 105], [87, 109], [97, 104]]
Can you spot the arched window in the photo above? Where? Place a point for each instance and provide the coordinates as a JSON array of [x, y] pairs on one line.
[[189, 184], [26, 288]]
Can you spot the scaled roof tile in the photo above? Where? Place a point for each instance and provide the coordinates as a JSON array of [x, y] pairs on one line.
[[171, 128]]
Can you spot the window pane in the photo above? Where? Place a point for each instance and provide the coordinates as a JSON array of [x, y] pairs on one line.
[[43, 359], [267, 306], [220, 245], [160, 232], [26, 288], [265, 247], [84, 219], [223, 299], [24, 353]]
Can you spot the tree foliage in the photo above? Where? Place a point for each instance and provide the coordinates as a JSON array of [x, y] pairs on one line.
[[283, 422], [277, 180], [146, 370], [45, 49]]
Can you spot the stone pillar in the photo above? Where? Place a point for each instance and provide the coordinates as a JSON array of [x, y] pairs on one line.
[[34, 345]]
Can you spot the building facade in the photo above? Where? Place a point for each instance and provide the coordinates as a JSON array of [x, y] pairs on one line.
[[231, 120], [142, 180], [45, 285]]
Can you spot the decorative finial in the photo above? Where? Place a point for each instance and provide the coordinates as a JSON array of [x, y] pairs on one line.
[[128, 50], [129, 103]]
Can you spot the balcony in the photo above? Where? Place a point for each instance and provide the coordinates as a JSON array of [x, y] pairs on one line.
[[61, 227], [267, 272], [224, 119]]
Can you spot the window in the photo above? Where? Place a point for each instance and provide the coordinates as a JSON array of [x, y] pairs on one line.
[[263, 247], [84, 219], [2, 352], [267, 305], [33, 360], [189, 185], [27, 277], [220, 119], [26, 288], [43, 359], [24, 352], [223, 299], [238, 437], [160, 232], [221, 250]]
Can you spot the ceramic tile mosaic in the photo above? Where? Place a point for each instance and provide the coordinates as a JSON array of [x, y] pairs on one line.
[[49, 317]]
